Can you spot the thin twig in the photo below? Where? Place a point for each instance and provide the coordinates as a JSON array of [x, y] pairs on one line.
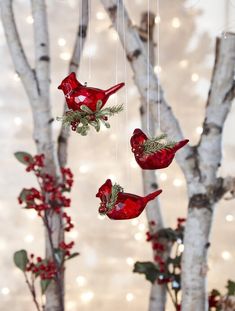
[[32, 291], [73, 67]]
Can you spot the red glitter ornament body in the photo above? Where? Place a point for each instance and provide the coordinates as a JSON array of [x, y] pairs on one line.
[[77, 94], [125, 205], [156, 160]]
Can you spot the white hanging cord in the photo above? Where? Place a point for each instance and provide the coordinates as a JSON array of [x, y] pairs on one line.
[[89, 37], [158, 66], [80, 35], [126, 93], [148, 64], [116, 81]]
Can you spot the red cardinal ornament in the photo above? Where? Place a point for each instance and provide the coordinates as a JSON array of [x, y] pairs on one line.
[[119, 205], [154, 153], [85, 104], [77, 94]]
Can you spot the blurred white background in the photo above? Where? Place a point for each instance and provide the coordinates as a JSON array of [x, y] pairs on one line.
[[101, 278]]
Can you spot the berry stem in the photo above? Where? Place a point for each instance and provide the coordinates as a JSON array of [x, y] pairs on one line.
[[32, 291]]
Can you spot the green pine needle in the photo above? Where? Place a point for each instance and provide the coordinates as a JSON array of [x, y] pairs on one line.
[[86, 117], [114, 195], [159, 143]]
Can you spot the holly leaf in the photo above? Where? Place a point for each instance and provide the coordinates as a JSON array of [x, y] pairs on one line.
[[23, 157], [167, 233], [231, 288], [175, 261], [215, 293], [24, 193], [21, 259], [44, 284], [73, 255], [148, 269]]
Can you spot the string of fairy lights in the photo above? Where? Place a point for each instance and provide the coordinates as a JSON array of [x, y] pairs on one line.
[[91, 50]]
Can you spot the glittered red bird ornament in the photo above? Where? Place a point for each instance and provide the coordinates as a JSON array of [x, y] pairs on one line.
[[86, 103], [154, 153], [119, 205], [77, 94]]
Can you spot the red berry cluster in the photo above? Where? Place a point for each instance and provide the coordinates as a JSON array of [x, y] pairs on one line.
[[74, 125], [46, 269], [68, 222], [66, 247], [180, 222], [35, 163], [51, 194], [33, 200]]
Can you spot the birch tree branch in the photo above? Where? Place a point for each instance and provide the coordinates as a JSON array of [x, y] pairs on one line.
[[73, 67], [157, 299], [207, 189], [20, 61], [220, 97], [41, 42], [38, 94], [138, 61]]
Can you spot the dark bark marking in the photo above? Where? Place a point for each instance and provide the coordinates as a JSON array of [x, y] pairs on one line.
[[36, 80], [43, 44], [62, 140], [82, 30], [44, 58], [112, 11], [142, 110], [230, 93], [154, 185], [135, 54], [200, 200], [51, 120], [208, 127]]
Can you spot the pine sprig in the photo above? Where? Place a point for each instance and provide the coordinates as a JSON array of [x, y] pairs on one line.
[[158, 143], [114, 195], [80, 121]]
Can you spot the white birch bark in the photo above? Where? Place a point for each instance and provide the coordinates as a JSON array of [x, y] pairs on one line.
[[207, 189], [199, 164], [36, 84], [73, 67]]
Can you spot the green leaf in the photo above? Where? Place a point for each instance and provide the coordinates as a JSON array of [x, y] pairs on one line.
[[99, 105], [148, 269], [21, 259], [44, 284], [73, 255], [167, 233], [175, 261], [24, 193], [107, 125], [21, 156], [86, 109], [215, 293], [231, 288]]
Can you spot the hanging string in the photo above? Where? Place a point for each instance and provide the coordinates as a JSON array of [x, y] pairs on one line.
[[80, 36], [126, 93], [89, 38], [158, 66], [116, 80], [148, 64]]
